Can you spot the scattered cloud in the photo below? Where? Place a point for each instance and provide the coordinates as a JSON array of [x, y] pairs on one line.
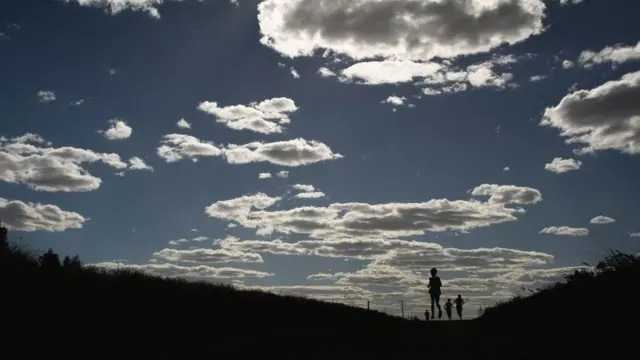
[[30, 160], [207, 256], [602, 220], [635, 234], [565, 230], [21, 216], [283, 174], [506, 169], [604, 118], [508, 194], [615, 55], [115, 7], [395, 100], [326, 72], [46, 96], [390, 220], [568, 64], [266, 117], [175, 147], [118, 130], [559, 165], [183, 124], [294, 73], [311, 195], [537, 78], [136, 163], [265, 176], [78, 103]]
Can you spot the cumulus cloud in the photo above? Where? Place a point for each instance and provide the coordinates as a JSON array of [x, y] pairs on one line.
[[604, 118], [207, 256], [183, 124], [175, 147], [293, 153], [560, 165], [118, 130], [265, 176], [567, 64], [46, 96], [305, 188], [602, 220], [185, 241], [136, 163], [394, 100], [266, 117], [565, 231], [311, 195], [199, 271], [395, 29], [30, 160], [508, 194], [615, 55], [536, 78], [390, 220], [21, 216]]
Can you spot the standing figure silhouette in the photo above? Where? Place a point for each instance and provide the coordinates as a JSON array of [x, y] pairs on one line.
[[459, 302], [434, 291], [448, 308]]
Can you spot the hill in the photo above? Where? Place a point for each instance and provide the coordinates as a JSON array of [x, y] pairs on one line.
[[49, 303]]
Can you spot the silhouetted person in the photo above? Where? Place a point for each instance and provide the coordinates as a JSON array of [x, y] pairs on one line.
[[459, 302], [434, 291], [426, 315], [448, 308]]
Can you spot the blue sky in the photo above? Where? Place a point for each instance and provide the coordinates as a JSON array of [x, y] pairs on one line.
[[335, 151]]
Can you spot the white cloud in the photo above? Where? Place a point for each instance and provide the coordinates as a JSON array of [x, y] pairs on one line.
[[78, 103], [388, 72], [565, 230], [118, 130], [293, 153], [311, 195], [21, 216], [508, 194], [207, 256], [266, 117], [604, 118], [294, 73], [506, 169], [305, 188], [199, 271], [283, 174], [567, 64], [405, 255], [395, 100], [635, 234], [175, 147], [265, 176], [183, 124], [185, 241], [615, 55], [30, 160], [390, 220], [326, 72], [602, 220], [137, 163], [396, 29], [46, 96], [537, 78], [560, 165], [114, 7]]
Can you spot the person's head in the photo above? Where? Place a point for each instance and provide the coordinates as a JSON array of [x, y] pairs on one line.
[[434, 272], [448, 300], [459, 296]]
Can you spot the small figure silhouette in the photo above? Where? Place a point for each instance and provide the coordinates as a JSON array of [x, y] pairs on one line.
[[448, 307], [459, 302], [434, 291], [426, 315]]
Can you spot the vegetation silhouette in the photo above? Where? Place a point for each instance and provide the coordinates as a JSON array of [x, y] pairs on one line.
[[129, 312]]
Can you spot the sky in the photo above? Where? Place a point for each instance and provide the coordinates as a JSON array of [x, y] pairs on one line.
[[330, 149]]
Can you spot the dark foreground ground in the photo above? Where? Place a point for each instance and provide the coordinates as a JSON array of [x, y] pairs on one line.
[[443, 340]]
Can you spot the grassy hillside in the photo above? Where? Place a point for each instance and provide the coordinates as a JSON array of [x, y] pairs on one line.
[[45, 296]]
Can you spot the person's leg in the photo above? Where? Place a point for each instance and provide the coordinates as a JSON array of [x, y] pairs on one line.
[[433, 301], [459, 310]]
